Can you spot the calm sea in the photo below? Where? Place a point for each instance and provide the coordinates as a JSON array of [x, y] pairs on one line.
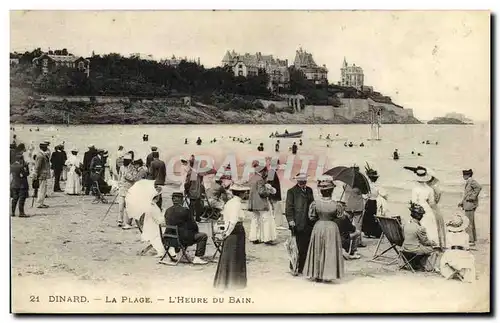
[[459, 147]]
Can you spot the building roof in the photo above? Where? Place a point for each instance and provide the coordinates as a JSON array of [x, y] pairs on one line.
[[253, 59], [61, 58], [303, 58]]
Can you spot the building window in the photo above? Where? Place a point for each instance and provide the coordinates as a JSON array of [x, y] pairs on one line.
[[240, 73], [240, 66], [45, 62], [81, 65]]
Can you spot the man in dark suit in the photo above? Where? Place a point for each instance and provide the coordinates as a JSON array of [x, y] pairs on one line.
[[87, 159], [150, 158], [470, 202], [158, 172], [19, 184], [298, 200], [57, 161], [189, 234]]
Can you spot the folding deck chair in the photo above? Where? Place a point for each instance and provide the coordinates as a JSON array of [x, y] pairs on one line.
[[392, 230], [217, 228], [170, 239], [209, 212], [96, 191]]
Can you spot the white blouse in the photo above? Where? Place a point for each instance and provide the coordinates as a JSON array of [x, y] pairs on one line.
[[232, 211]]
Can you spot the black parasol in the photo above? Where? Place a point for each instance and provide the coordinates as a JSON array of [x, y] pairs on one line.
[[350, 176]]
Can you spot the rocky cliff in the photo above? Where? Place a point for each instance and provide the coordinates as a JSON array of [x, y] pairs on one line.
[[24, 109]]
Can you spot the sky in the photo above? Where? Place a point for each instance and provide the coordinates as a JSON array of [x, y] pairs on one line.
[[433, 62]]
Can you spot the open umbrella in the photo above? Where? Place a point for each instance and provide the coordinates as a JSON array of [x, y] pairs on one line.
[[139, 197], [350, 176], [293, 253]]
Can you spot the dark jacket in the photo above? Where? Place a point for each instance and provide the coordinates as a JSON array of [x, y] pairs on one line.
[[12, 155], [57, 160], [97, 164], [345, 226], [179, 216], [87, 158], [149, 160], [275, 183], [158, 172], [297, 207], [20, 173]]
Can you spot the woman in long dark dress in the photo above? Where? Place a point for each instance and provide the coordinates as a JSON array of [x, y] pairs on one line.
[[324, 260], [371, 227], [232, 267]]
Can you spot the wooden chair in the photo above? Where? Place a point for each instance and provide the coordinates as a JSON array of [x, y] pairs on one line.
[[170, 239], [392, 230]]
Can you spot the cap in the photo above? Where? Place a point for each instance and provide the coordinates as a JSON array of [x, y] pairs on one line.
[[154, 148]]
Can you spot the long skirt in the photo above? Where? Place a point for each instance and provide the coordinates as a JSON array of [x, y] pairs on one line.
[[232, 267], [324, 257], [279, 217], [458, 262], [262, 227], [370, 226], [440, 227], [73, 184]]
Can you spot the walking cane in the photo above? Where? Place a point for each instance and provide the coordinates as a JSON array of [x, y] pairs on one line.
[[33, 199], [109, 208]]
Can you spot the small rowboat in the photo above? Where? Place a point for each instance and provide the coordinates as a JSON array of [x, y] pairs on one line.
[[297, 134]]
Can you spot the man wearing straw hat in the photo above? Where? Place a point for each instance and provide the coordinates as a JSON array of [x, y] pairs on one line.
[[298, 200], [470, 202]]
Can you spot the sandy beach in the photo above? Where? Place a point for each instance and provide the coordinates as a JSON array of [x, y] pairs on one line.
[[69, 250]]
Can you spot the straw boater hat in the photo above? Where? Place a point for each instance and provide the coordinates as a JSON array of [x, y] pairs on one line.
[[177, 194], [421, 174], [127, 156], [183, 159], [239, 187], [154, 148], [458, 224], [301, 177], [74, 149]]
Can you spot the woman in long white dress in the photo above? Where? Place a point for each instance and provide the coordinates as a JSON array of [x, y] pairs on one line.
[[73, 182], [423, 195], [434, 184], [153, 218]]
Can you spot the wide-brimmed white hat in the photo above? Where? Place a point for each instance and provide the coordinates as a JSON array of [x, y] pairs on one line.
[[239, 187], [420, 173], [74, 149], [459, 223]]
